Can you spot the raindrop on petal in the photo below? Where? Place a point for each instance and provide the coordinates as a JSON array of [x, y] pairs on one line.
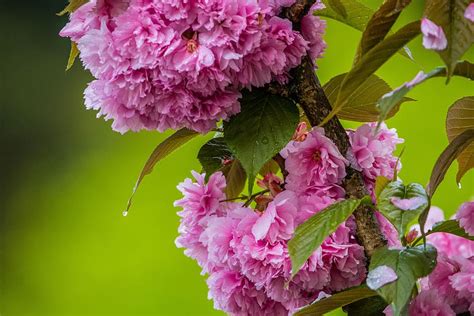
[[380, 276]]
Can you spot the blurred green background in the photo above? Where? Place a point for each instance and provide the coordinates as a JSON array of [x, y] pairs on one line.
[[66, 176]]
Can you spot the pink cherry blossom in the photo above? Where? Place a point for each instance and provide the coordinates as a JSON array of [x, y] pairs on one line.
[[169, 64], [465, 216], [316, 161], [430, 303], [373, 152], [433, 35]]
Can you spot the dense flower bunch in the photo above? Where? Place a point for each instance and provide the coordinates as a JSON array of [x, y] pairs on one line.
[[172, 64], [244, 249], [449, 289]]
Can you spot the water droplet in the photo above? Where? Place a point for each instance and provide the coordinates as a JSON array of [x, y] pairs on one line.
[[459, 185], [380, 276], [265, 140], [125, 213]]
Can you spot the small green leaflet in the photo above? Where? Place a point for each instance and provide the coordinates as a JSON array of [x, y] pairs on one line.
[[216, 156], [165, 148], [335, 301], [72, 56], [72, 6], [409, 264], [264, 126], [391, 100], [413, 195], [310, 235]]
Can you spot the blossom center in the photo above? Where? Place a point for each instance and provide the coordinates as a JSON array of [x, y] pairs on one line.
[[317, 156], [192, 43]]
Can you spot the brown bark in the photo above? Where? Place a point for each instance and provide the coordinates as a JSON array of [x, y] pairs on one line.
[[307, 91]]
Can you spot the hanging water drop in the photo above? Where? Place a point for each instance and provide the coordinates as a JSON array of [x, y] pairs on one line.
[[459, 186], [125, 213]]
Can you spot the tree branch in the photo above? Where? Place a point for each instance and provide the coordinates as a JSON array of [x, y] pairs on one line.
[[306, 90]]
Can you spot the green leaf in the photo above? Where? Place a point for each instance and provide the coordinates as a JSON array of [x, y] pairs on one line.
[[235, 177], [380, 25], [380, 183], [263, 127], [351, 13], [338, 6], [459, 31], [214, 155], [270, 166], [356, 15], [72, 56], [400, 218], [409, 264], [336, 301], [391, 101], [310, 235], [444, 161], [371, 62], [168, 146], [451, 227], [72, 6], [362, 105], [452, 151], [460, 118]]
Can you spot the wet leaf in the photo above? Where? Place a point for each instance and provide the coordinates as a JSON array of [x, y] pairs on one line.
[[263, 127]]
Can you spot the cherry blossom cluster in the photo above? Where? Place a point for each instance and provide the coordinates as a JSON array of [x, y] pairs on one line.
[[182, 63], [244, 249]]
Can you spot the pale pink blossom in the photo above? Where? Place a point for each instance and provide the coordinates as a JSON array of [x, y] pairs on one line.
[[373, 152], [409, 204], [469, 14], [169, 64], [430, 303], [316, 161], [465, 216], [433, 35]]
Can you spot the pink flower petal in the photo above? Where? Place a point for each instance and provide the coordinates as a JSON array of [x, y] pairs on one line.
[[380, 276], [433, 35]]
